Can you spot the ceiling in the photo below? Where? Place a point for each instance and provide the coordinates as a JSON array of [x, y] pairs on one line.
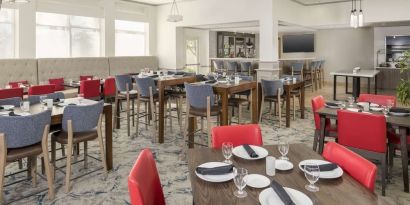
[[318, 2], [155, 2]]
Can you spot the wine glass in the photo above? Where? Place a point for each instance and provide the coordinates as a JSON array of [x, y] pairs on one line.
[[283, 149], [227, 151], [385, 111], [240, 183], [312, 173], [351, 101]]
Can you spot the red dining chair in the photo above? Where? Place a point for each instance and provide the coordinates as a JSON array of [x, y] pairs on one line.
[[237, 135], [109, 88], [318, 103], [365, 134], [58, 83], [353, 164], [15, 84], [144, 185], [41, 89], [377, 99], [11, 93], [90, 89], [86, 77]]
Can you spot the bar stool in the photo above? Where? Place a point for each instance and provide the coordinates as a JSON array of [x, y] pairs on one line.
[[272, 91], [125, 92]]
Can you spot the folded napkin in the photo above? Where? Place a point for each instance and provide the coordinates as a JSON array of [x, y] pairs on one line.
[[13, 114], [281, 192], [1, 108], [215, 170], [72, 104], [210, 82], [154, 76], [332, 104], [250, 151], [399, 110], [56, 100], [325, 167]]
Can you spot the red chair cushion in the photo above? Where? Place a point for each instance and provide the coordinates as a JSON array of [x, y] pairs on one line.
[[378, 99], [11, 93], [144, 185], [362, 130], [86, 77], [16, 83], [237, 135], [41, 89], [109, 87], [58, 83], [90, 88], [353, 164]]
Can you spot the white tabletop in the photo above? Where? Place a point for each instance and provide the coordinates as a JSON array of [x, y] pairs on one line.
[[361, 73]]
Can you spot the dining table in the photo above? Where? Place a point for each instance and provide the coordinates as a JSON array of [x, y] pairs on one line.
[[342, 190], [402, 123], [57, 118]]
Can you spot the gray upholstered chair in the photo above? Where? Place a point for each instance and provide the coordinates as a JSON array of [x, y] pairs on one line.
[[237, 101], [25, 137], [200, 102], [272, 91], [232, 67], [80, 125], [125, 92], [34, 99], [297, 69], [11, 101], [246, 68], [218, 65]]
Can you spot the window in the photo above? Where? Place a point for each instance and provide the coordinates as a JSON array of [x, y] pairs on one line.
[[7, 41], [61, 35], [130, 38]]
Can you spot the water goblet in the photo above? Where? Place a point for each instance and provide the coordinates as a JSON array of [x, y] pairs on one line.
[[312, 173], [227, 151], [283, 149], [240, 183], [351, 101]]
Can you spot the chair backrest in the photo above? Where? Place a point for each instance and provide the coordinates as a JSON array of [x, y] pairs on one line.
[[11, 101], [270, 87], [246, 66], [109, 87], [318, 103], [83, 117], [297, 67], [22, 131], [232, 66], [11, 93], [197, 95], [90, 88], [247, 78], [34, 99], [58, 83], [143, 86], [313, 65], [41, 89], [237, 135], [86, 77], [362, 130], [353, 164], [144, 184], [378, 99], [121, 82], [15, 84], [218, 65]]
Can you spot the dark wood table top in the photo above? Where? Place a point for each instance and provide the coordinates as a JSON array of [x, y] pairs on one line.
[[344, 190], [231, 88], [392, 120]]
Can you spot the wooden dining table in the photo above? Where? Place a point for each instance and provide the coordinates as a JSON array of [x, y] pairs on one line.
[[400, 123], [343, 190], [57, 118]]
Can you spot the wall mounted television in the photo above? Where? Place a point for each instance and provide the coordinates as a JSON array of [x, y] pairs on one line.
[[297, 43]]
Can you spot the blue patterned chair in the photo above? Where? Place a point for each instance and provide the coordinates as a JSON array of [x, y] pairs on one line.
[[272, 91], [25, 137], [125, 92], [80, 125]]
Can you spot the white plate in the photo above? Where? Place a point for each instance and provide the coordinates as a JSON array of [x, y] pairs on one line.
[[214, 178], [336, 173], [269, 197], [257, 181], [240, 152], [377, 109], [333, 107], [398, 114], [283, 165], [7, 107], [353, 109], [374, 105]]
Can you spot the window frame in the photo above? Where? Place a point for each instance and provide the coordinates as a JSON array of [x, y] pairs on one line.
[[13, 23], [145, 33]]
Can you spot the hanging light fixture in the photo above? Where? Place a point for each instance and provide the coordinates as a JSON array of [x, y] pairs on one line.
[[352, 15], [360, 16], [356, 18], [174, 16]]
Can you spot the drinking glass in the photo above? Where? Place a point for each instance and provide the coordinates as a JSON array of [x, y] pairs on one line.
[[283, 149], [80, 99], [312, 173], [227, 151], [351, 101], [240, 183], [385, 111], [42, 98]]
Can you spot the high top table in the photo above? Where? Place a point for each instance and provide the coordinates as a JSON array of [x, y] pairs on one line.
[[369, 74]]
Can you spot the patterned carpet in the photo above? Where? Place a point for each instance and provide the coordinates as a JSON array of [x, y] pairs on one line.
[[97, 189]]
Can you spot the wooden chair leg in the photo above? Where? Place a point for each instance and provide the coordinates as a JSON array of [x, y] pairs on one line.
[[101, 143], [138, 116], [294, 107], [261, 112], [179, 102], [75, 151], [48, 167], [20, 163], [85, 155], [239, 113], [384, 168], [133, 111], [62, 150], [117, 114], [3, 156], [53, 153], [208, 119], [169, 114], [147, 122], [128, 115], [279, 108], [202, 126], [69, 155]]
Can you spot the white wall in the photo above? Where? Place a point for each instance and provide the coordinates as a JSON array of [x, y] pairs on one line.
[[203, 37], [380, 34]]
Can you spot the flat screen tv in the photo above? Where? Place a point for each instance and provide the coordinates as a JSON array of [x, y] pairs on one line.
[[298, 43]]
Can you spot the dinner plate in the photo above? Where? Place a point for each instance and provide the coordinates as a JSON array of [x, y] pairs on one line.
[[269, 197], [377, 109], [399, 114], [353, 109], [283, 165], [240, 152], [374, 105], [7, 107], [336, 173], [333, 107], [214, 178], [257, 181]]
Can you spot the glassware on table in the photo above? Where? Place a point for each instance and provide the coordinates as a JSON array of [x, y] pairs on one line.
[[385, 111], [227, 151], [71, 81], [270, 166], [350, 100], [80, 99], [283, 149], [25, 106], [42, 98], [312, 173], [239, 180]]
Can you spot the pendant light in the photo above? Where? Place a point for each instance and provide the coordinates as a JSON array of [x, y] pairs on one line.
[[352, 15], [356, 18], [174, 16], [360, 16]]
